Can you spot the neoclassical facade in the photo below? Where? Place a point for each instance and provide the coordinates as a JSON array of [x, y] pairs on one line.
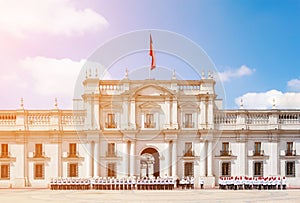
[[148, 128]]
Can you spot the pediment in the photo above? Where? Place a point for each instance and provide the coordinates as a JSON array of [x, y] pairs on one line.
[[149, 105], [188, 105], [150, 90], [110, 105]]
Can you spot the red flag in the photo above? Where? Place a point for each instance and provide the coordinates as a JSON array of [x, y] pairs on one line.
[[151, 53]]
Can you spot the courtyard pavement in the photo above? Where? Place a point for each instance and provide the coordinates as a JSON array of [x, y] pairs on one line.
[[45, 196]]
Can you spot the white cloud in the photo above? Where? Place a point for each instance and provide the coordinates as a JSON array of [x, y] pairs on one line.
[[57, 17], [264, 100], [240, 72], [53, 77], [294, 85]]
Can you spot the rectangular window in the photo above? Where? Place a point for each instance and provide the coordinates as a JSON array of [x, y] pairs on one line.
[[111, 122], [111, 149], [38, 150], [188, 149], [73, 170], [290, 168], [111, 169], [72, 150], [225, 149], [149, 122], [5, 171], [257, 149], [226, 169], [258, 168], [188, 120], [289, 149], [4, 150], [189, 169], [38, 171]]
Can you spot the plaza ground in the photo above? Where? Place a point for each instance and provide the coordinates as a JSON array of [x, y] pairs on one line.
[[208, 195]]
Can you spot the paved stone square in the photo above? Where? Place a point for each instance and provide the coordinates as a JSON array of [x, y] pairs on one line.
[[45, 196]]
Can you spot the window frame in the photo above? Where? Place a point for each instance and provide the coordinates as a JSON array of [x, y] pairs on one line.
[[290, 172], [260, 170], [37, 171], [7, 177], [226, 169]]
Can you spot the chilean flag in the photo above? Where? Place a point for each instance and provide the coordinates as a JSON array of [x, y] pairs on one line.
[[152, 54]]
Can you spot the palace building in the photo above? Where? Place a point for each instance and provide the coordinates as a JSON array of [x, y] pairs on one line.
[[148, 128]]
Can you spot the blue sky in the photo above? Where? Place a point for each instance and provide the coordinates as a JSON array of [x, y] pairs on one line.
[[263, 36]]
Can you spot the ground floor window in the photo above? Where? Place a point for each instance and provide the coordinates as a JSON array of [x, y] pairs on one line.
[[290, 168], [226, 169], [111, 170], [39, 171], [258, 168], [189, 169], [73, 170], [4, 171]]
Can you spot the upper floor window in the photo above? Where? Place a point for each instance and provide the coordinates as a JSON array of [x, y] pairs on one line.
[[188, 120], [225, 149], [289, 149], [111, 121], [188, 149], [111, 149], [149, 121], [72, 150], [257, 149], [38, 150], [4, 150]]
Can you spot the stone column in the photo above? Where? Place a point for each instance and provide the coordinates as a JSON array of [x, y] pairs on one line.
[[132, 158], [88, 159], [174, 114], [96, 159], [170, 151], [202, 159], [167, 102], [174, 158], [132, 113], [126, 158], [92, 155], [209, 158]]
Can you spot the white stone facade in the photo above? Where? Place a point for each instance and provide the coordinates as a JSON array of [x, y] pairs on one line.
[[179, 123]]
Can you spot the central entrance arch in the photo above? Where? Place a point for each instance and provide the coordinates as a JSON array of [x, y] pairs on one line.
[[149, 162]]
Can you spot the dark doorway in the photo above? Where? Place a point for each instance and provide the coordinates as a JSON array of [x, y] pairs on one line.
[[150, 162]]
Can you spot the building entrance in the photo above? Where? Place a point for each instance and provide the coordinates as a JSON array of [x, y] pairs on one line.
[[149, 163]]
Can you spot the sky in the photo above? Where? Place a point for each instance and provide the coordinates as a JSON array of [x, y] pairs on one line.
[[255, 45]]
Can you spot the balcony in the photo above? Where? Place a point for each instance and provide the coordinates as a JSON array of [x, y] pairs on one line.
[[39, 154], [188, 125], [258, 153], [111, 154], [72, 154], [225, 153], [5, 155], [188, 153], [290, 152], [149, 125], [111, 125]]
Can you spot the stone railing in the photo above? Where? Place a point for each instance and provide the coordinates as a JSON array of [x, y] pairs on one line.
[[38, 119], [7, 119], [257, 119]]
